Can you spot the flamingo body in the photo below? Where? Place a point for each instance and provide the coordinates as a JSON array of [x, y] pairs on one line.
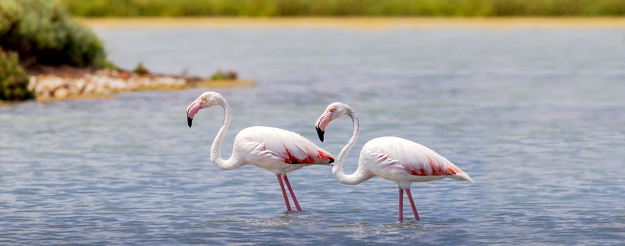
[[405, 161], [276, 150]]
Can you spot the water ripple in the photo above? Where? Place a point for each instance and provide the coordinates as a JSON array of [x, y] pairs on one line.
[[541, 135]]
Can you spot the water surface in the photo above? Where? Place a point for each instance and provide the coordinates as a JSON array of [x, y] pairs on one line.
[[535, 116]]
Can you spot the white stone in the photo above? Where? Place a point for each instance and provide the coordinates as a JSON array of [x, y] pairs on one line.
[[78, 84], [61, 93], [117, 85], [51, 83], [32, 83], [89, 87]]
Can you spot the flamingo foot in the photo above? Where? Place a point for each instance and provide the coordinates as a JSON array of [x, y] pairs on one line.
[[286, 199], [288, 185]]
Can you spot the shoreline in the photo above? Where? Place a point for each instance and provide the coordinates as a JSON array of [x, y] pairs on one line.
[[66, 83], [364, 23]]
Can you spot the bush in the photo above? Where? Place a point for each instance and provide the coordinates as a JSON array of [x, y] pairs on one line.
[[13, 79], [140, 69], [227, 75], [42, 33]]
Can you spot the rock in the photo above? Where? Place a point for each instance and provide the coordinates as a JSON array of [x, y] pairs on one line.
[[50, 83], [117, 85], [32, 84], [88, 88], [76, 87], [61, 93]]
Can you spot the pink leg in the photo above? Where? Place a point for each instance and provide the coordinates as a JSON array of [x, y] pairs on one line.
[[288, 185], [286, 199], [401, 204], [414, 209]]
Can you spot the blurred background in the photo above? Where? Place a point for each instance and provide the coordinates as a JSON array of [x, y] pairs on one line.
[[464, 8]]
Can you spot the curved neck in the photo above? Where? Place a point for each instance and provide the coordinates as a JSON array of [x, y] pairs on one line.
[[338, 170], [216, 158]]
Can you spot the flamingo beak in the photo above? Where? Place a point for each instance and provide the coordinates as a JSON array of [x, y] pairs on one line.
[[320, 133], [322, 123], [192, 109]]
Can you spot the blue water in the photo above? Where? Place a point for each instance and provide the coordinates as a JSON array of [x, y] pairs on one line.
[[535, 116]]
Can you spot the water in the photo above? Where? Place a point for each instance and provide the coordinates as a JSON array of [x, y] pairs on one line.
[[535, 116]]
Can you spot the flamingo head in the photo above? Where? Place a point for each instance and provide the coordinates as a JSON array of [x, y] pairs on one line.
[[332, 112], [207, 99]]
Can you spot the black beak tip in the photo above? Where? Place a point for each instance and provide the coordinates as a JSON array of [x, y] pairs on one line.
[[189, 121], [320, 133]]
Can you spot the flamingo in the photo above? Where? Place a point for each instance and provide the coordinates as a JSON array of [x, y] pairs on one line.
[[279, 151], [392, 158]]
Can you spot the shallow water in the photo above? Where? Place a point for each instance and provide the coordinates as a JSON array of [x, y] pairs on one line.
[[535, 116]]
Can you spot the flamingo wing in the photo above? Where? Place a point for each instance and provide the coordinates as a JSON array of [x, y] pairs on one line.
[[281, 145], [414, 159]]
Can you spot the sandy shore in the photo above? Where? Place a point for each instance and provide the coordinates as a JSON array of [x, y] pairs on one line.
[[356, 23]]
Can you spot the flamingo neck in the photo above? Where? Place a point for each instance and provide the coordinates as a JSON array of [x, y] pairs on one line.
[[216, 158], [338, 170]]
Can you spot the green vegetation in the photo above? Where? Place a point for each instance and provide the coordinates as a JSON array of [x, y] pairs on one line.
[[227, 75], [140, 69], [14, 80], [102, 8], [42, 33]]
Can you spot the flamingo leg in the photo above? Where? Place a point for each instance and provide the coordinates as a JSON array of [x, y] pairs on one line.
[[286, 199], [288, 185], [401, 204], [414, 209]]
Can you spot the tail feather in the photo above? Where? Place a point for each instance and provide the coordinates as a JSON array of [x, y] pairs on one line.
[[457, 173], [462, 176]]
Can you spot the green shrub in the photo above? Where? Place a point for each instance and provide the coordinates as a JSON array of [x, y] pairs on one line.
[[140, 69], [43, 33], [13, 79], [227, 75]]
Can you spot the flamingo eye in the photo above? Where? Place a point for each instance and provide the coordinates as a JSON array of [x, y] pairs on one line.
[[331, 110], [204, 98]]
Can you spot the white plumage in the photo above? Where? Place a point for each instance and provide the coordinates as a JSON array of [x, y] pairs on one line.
[[277, 150], [402, 160]]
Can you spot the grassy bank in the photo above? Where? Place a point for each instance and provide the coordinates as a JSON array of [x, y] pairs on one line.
[[394, 8], [364, 23]]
